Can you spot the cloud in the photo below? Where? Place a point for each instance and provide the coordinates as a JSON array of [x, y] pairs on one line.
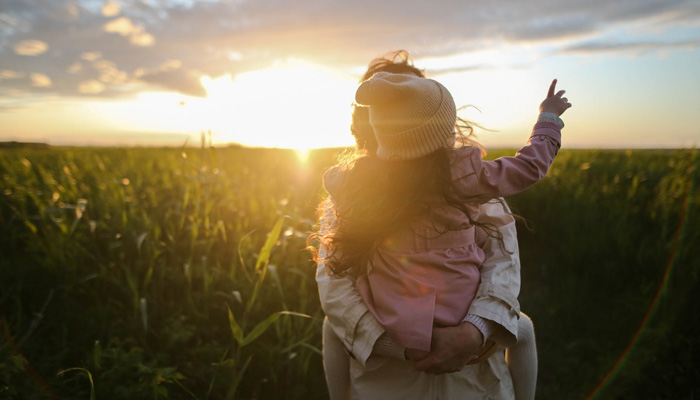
[[637, 48], [120, 47], [40, 80], [124, 27], [109, 73], [185, 82], [91, 87], [75, 68], [30, 47], [142, 39], [91, 55], [9, 74], [552, 28], [110, 9], [170, 65]]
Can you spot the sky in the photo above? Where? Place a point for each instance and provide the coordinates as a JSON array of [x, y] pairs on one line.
[[282, 73]]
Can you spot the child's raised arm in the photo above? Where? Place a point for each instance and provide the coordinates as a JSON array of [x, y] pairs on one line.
[[510, 175]]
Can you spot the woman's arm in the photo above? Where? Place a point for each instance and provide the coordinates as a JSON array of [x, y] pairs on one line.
[[346, 311], [497, 296]]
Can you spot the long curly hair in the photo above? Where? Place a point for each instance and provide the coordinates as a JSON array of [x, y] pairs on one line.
[[379, 197]]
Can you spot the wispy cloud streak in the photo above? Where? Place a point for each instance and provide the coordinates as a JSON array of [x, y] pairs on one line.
[[119, 47]]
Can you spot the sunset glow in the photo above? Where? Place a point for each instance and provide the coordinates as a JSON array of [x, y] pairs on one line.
[[128, 72], [293, 105]]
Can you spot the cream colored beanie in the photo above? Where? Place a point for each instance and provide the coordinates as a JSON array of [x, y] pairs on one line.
[[411, 116]]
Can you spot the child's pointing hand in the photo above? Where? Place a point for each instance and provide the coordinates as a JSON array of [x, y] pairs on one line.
[[555, 103]]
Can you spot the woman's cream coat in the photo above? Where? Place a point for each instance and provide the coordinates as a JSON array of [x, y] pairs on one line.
[[376, 377]]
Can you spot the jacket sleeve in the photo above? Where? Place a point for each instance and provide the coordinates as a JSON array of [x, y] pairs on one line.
[[509, 175], [497, 295]]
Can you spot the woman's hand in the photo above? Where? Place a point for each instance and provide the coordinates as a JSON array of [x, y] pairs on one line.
[[451, 348], [555, 103]]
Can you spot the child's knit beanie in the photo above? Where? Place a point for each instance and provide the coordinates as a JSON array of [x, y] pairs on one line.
[[411, 116]]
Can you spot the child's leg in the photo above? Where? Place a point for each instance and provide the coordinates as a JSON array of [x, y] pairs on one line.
[[336, 363], [522, 360]]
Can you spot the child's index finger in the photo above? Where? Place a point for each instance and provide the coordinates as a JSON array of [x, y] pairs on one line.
[[552, 87]]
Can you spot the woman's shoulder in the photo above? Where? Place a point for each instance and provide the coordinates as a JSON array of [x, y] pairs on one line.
[[334, 178]]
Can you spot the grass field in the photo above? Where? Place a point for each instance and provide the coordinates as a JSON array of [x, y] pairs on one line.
[[180, 273]]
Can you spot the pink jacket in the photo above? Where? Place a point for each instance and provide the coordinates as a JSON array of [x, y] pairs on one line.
[[422, 277]]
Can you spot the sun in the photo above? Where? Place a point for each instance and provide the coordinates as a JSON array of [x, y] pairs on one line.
[[292, 105]]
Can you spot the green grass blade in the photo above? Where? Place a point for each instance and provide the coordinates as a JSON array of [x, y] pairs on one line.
[[177, 381], [92, 383], [262, 326], [264, 256], [237, 379], [235, 328], [263, 260]]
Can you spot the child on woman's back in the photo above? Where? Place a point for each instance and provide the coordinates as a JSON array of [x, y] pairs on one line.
[[406, 218]]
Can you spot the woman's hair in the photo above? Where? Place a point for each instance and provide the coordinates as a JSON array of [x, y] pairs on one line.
[[380, 197]]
